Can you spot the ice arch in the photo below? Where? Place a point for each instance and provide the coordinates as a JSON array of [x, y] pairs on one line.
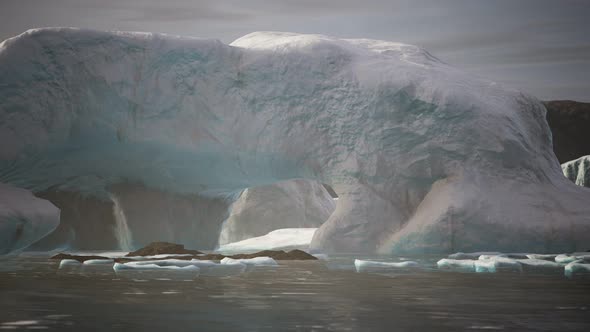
[[422, 156]]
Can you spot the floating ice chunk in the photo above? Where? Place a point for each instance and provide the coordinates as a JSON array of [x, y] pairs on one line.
[[456, 264], [493, 264], [69, 262], [542, 256], [127, 266], [98, 262], [163, 262], [257, 261], [576, 267], [565, 258], [472, 255], [364, 265]]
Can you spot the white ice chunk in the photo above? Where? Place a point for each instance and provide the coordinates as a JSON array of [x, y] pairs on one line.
[[365, 265], [472, 255], [69, 262], [493, 264], [277, 239], [98, 262], [127, 266], [565, 258], [257, 261], [542, 256], [456, 264], [576, 267]]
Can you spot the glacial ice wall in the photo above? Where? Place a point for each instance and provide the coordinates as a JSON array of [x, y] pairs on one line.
[[578, 171], [423, 157]]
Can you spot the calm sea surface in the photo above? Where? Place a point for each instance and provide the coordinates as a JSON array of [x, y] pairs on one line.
[[296, 296]]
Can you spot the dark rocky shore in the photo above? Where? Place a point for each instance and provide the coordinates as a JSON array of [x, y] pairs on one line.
[[177, 251]]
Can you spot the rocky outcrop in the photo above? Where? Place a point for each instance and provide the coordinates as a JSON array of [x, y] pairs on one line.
[[570, 125], [159, 248]]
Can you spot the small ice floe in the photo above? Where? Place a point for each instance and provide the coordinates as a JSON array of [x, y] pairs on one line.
[[576, 256], [542, 256], [98, 262], [69, 263], [456, 264], [257, 261], [127, 266], [493, 264], [472, 255], [576, 268], [540, 265], [365, 265]]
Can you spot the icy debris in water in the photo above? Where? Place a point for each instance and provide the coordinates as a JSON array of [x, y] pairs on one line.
[[456, 264], [365, 265], [542, 256], [472, 255], [564, 258], [126, 266], [575, 268], [257, 261], [496, 264], [68, 262]]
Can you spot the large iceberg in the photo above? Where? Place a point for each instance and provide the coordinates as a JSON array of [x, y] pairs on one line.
[[24, 218], [423, 157]]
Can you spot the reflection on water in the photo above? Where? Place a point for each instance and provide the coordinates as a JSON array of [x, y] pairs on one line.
[[325, 295]]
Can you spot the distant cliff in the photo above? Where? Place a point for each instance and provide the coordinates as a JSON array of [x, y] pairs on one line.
[[570, 125]]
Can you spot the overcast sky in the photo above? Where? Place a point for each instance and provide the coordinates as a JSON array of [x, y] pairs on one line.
[[539, 46]]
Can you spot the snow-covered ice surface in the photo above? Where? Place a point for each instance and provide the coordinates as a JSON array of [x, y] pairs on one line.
[[287, 204], [424, 157], [24, 218], [256, 261], [578, 171], [289, 238]]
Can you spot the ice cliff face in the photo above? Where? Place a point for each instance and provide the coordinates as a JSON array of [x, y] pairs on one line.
[[24, 218], [424, 157], [578, 171], [286, 204]]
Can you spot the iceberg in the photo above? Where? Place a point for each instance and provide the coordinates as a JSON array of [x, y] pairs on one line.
[[424, 158], [366, 265], [280, 239], [24, 218]]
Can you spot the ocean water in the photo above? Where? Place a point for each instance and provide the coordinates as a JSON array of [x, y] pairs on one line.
[[296, 296]]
